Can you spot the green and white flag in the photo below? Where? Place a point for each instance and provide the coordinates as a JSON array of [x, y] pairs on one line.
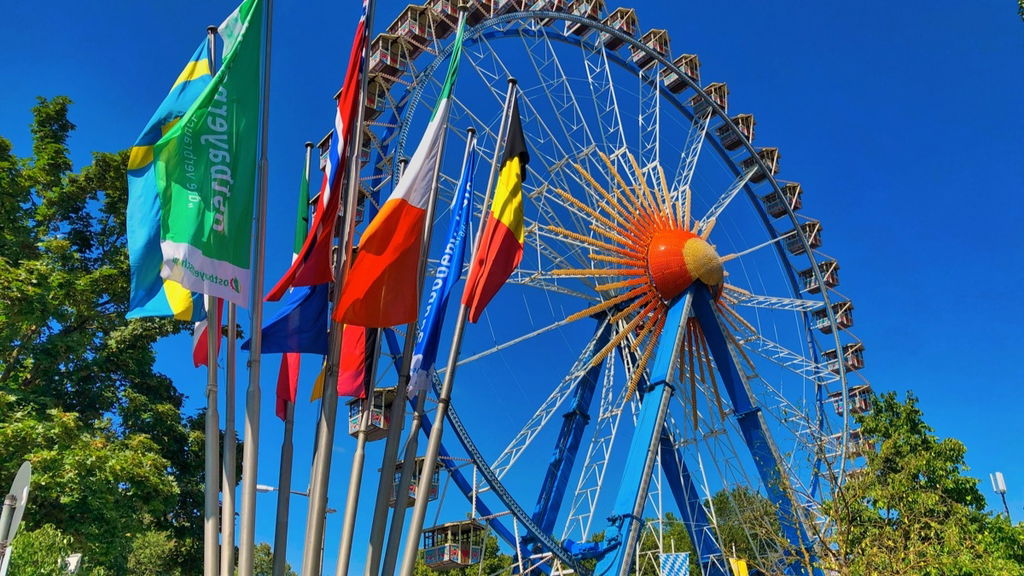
[[205, 169]]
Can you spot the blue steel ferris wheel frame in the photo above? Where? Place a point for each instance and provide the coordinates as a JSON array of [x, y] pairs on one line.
[[385, 167]]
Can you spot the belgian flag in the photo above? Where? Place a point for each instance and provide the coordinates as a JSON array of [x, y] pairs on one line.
[[501, 246]]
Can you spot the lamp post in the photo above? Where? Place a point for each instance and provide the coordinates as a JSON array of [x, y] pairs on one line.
[[999, 487], [278, 569]]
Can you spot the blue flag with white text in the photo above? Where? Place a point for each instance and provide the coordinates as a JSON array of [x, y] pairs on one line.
[[449, 270]]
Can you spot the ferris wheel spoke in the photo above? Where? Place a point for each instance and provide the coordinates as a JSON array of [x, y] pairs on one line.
[[508, 344], [707, 222], [650, 120], [691, 153], [739, 296]]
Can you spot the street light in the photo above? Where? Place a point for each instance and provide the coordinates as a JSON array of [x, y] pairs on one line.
[[266, 488], [999, 487]]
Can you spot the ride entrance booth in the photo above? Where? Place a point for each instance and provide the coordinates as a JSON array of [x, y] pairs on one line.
[[417, 473], [454, 545], [380, 414]]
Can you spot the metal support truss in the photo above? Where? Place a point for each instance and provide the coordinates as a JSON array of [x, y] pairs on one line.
[[691, 507], [724, 200], [650, 120], [567, 445], [626, 519], [756, 436], [691, 152]]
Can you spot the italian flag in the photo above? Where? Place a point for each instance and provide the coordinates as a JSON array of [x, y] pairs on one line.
[[381, 288]]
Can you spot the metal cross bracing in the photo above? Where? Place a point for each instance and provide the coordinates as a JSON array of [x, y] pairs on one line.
[[744, 298], [691, 153], [650, 120]]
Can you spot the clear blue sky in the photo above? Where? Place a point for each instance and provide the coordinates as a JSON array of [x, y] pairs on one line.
[[901, 120]]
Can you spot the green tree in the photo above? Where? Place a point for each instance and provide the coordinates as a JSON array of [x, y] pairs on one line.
[[263, 561], [113, 455], [673, 537], [912, 509], [152, 554]]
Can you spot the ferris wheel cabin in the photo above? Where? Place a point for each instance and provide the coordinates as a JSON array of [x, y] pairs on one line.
[[380, 414], [829, 270], [657, 40], [843, 312], [547, 6], [377, 88], [506, 6], [811, 231], [770, 157], [586, 9], [323, 150], [413, 27], [776, 204], [858, 445], [454, 545], [386, 55], [859, 399], [417, 473], [853, 358], [730, 139], [718, 92], [624, 20], [690, 66]]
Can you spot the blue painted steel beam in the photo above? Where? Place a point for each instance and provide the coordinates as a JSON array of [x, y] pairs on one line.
[[567, 446], [755, 433], [691, 508], [626, 520]]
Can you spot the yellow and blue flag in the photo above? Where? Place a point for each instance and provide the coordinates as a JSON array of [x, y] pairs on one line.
[[151, 295]]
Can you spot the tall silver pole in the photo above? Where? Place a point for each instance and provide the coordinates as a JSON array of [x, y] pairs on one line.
[[419, 511], [211, 517], [250, 453], [211, 520], [408, 458], [227, 505], [312, 554], [284, 476], [355, 479]]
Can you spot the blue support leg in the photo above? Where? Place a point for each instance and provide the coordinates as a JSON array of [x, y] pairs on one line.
[[756, 435], [691, 508], [626, 520]]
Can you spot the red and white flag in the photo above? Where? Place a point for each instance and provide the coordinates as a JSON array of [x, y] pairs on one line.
[[313, 266], [200, 337]]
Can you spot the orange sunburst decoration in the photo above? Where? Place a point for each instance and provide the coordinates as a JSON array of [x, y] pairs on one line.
[[648, 245]]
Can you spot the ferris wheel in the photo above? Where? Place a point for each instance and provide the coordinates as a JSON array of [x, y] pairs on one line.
[[673, 340]]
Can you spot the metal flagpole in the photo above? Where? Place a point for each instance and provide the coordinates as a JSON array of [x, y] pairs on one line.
[[211, 520], [358, 459], [250, 452], [227, 506], [419, 510], [284, 477], [211, 523], [312, 555], [412, 443]]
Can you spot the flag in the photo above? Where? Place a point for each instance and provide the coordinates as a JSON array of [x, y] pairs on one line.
[[318, 385], [501, 246], [313, 265], [299, 326], [150, 294], [205, 168], [201, 338], [738, 567], [449, 270], [676, 564], [381, 288], [352, 367], [352, 373], [287, 384]]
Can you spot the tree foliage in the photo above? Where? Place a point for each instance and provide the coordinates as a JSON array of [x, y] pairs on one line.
[[912, 509], [263, 561], [113, 455]]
